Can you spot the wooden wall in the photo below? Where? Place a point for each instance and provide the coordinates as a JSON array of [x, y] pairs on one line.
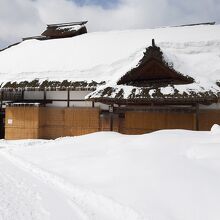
[[207, 118], [22, 123], [143, 122], [80, 121], [51, 123], [105, 122]]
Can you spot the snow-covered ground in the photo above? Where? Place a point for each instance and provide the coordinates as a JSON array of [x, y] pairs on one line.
[[165, 175]]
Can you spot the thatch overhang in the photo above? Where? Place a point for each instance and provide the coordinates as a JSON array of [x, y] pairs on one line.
[[48, 85], [154, 81], [149, 96]]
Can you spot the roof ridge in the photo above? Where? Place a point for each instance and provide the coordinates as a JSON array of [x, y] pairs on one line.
[[67, 24]]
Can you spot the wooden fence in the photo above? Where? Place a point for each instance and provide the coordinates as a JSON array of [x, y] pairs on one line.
[[49, 123], [22, 123], [207, 118], [143, 122]]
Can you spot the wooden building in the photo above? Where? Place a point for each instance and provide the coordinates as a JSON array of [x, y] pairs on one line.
[[61, 30], [147, 108], [142, 91], [56, 31]]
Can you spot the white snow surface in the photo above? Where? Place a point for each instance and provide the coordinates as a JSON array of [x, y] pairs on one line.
[[168, 174], [105, 56], [70, 27]]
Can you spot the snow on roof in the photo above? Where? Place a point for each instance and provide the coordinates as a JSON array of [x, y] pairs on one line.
[[70, 27], [67, 24], [105, 56]]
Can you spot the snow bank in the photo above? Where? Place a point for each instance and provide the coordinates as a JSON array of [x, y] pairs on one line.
[[215, 129], [169, 174]]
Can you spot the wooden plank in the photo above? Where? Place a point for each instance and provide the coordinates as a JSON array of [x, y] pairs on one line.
[[143, 122], [207, 118]]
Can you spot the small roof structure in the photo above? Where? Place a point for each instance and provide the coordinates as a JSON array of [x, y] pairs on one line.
[[54, 31], [64, 30], [153, 69]]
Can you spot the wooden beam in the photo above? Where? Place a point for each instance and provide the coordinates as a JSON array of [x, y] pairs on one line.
[[111, 121], [45, 97], [197, 117], [2, 98], [111, 110], [22, 94], [68, 98]]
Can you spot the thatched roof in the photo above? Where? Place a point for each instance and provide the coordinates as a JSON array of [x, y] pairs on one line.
[[50, 85], [154, 81], [187, 63], [153, 68], [155, 96]]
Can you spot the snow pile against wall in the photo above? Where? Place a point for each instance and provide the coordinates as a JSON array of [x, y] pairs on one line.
[[170, 174]]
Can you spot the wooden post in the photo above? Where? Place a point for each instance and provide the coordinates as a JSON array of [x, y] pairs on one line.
[[68, 98], [2, 94], [22, 95], [111, 121], [45, 97], [93, 104], [111, 110], [197, 116]]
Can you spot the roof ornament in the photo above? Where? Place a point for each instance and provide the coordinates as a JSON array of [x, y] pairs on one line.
[[153, 43]]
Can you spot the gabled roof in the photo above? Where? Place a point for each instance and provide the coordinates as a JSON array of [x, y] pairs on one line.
[[152, 69]]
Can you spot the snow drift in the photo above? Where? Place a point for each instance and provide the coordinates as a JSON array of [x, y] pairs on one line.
[[169, 174]]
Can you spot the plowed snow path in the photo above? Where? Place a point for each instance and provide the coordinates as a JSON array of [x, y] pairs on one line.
[[25, 197], [28, 192]]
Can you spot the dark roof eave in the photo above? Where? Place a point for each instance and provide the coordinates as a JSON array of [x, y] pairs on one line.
[[157, 101], [36, 85]]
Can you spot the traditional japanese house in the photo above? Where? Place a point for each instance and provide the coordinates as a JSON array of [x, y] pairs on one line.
[[131, 82], [153, 95]]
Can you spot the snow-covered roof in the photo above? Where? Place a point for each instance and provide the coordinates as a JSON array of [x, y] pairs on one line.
[[64, 30], [107, 56], [154, 80], [68, 24]]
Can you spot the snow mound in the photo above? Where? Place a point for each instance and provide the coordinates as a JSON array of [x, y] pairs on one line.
[[215, 129], [169, 174]]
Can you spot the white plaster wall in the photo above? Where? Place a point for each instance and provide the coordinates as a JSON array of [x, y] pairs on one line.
[[33, 95], [78, 94], [212, 106], [56, 94]]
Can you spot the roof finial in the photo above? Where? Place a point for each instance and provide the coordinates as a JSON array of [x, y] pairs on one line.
[[153, 43]]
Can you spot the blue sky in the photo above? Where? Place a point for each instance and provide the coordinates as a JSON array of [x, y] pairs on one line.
[[23, 18], [104, 3]]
